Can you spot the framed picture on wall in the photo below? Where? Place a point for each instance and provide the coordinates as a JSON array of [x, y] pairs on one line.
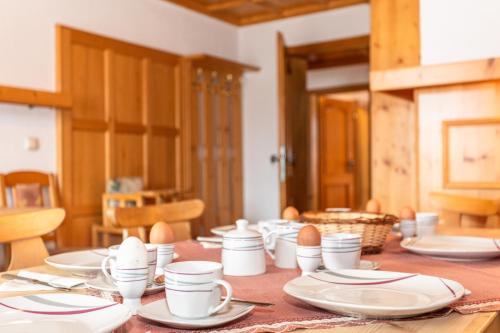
[[471, 153]]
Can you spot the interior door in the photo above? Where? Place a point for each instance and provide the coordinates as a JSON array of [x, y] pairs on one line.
[[293, 128], [337, 151]]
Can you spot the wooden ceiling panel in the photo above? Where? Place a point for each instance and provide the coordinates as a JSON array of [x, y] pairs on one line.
[[244, 12]]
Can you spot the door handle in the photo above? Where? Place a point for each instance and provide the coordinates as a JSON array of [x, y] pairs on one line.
[[351, 164]]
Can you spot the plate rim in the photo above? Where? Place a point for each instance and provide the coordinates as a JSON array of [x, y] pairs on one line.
[[353, 306], [191, 324], [107, 328], [443, 252]]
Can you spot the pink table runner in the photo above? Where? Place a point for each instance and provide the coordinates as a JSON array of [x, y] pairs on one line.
[[287, 314]]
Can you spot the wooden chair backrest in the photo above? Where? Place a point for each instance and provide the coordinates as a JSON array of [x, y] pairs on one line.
[[177, 214], [464, 211], [23, 230], [11, 180]]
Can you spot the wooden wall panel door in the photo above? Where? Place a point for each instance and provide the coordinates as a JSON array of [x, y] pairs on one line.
[[216, 136], [126, 122], [336, 154]]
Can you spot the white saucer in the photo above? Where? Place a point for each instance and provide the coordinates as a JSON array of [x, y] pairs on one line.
[[103, 284], [158, 311]]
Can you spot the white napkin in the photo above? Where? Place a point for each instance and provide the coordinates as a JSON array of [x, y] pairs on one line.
[[20, 285]]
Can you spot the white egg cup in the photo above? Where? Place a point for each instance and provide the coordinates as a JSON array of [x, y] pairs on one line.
[[165, 255], [408, 228], [131, 272], [341, 251], [308, 258]]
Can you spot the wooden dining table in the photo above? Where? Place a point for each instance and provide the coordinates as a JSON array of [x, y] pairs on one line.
[[481, 322], [485, 322]]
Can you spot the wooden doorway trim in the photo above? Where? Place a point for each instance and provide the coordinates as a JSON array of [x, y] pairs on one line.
[[281, 61]]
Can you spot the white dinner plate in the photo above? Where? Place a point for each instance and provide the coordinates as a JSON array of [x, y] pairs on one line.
[[158, 311], [454, 248], [221, 230], [85, 262], [61, 312], [102, 283], [375, 294]]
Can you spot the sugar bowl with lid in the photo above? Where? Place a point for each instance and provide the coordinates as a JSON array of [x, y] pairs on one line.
[[243, 251]]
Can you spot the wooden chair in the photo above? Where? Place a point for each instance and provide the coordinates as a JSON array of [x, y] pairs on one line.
[[32, 185], [23, 230], [179, 215], [467, 212], [110, 201]]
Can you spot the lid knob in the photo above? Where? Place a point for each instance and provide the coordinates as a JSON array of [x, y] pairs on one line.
[[241, 224]]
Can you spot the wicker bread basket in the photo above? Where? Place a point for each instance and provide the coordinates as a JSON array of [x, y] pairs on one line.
[[374, 228]]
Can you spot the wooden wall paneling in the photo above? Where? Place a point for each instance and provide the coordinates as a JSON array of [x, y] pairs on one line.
[[120, 125], [63, 121], [236, 161], [395, 34], [436, 105], [393, 152], [215, 99], [467, 164]]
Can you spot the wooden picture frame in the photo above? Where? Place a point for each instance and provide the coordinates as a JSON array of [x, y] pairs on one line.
[[450, 126]]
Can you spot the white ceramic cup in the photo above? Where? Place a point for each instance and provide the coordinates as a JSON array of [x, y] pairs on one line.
[[408, 228], [110, 261], [267, 226], [193, 288], [426, 223], [341, 250], [285, 249], [165, 255], [152, 260], [308, 258]]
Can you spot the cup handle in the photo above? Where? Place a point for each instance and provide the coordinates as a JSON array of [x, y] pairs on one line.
[[266, 244], [104, 269], [229, 295]]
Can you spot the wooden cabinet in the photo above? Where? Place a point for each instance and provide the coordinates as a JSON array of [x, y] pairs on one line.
[[215, 104], [126, 121]]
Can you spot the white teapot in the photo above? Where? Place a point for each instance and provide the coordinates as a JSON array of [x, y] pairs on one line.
[[243, 251]]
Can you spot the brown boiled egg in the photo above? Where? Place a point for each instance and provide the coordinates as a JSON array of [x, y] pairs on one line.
[[290, 213], [309, 236], [161, 233], [373, 206], [407, 213]]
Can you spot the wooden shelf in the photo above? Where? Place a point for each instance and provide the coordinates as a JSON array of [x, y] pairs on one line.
[[213, 61], [435, 75], [34, 97]]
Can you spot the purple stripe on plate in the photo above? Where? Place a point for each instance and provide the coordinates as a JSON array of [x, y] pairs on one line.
[[496, 244], [59, 313], [365, 283], [449, 288], [130, 269]]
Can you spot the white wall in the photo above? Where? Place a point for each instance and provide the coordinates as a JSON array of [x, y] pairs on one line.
[[257, 45], [459, 30], [337, 76], [27, 55]]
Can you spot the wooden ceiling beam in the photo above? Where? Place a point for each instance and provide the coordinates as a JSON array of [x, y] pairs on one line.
[[270, 10]]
